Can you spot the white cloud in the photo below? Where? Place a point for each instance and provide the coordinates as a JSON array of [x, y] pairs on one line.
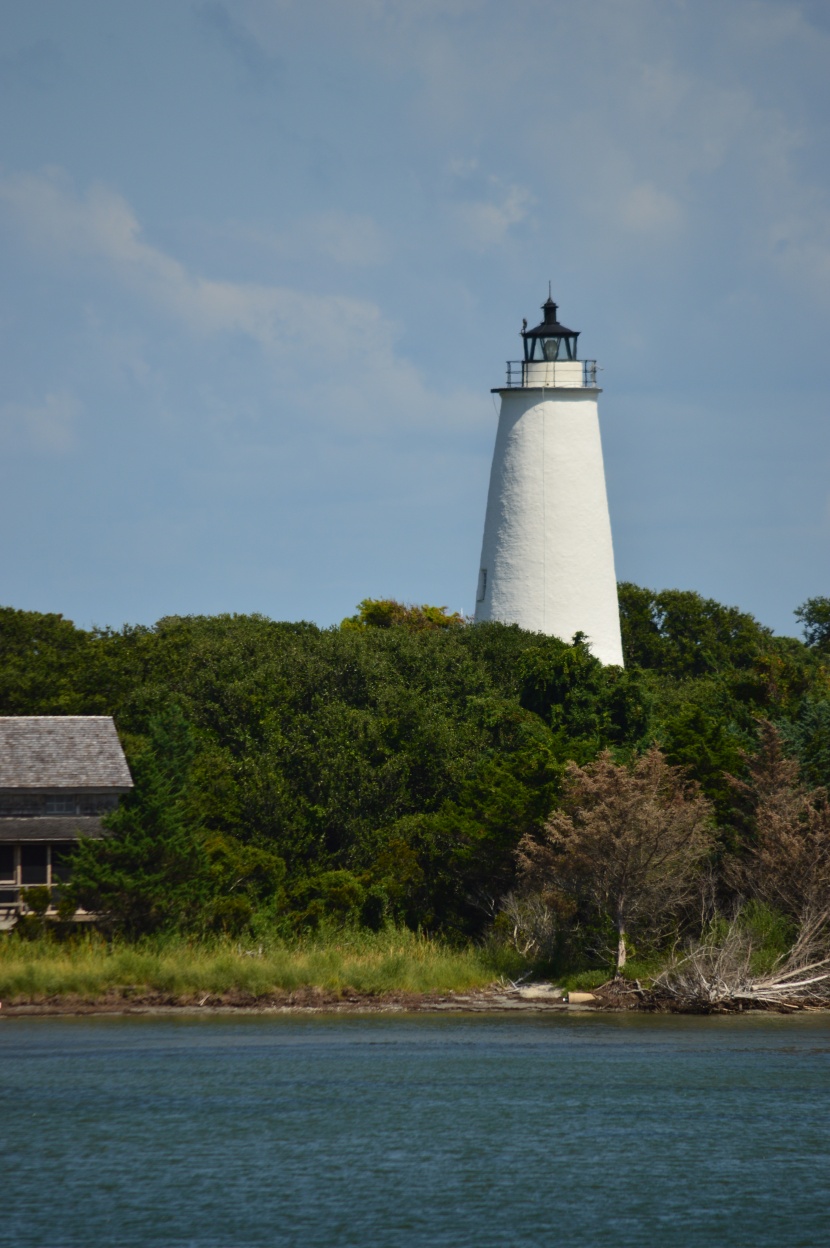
[[462, 166], [799, 246], [355, 241], [101, 224], [48, 426], [326, 346], [645, 208], [625, 122], [487, 222], [351, 240]]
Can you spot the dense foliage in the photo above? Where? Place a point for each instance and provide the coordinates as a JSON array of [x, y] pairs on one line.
[[389, 768]]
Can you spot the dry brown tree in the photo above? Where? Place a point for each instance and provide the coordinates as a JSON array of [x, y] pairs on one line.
[[787, 865], [628, 841]]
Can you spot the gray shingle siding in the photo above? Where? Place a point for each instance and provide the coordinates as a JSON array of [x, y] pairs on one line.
[[49, 829]]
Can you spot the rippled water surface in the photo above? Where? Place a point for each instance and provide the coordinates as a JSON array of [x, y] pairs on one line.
[[401, 1130]]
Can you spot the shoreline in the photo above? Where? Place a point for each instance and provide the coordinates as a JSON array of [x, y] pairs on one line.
[[305, 1001], [495, 999]]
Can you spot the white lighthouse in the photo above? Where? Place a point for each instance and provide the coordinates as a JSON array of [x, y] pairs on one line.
[[547, 561]]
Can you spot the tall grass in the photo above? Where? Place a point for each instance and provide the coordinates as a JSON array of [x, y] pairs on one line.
[[88, 968]]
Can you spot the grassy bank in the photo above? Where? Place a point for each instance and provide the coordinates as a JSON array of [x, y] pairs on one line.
[[89, 968]]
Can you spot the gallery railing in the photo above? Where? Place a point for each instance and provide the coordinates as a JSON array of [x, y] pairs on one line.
[[569, 374]]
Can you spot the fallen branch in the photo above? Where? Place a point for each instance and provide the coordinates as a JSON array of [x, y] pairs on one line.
[[720, 976]]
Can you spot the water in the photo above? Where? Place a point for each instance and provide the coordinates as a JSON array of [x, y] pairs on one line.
[[407, 1131]]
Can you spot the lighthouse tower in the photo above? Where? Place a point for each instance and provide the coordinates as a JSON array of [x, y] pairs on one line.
[[547, 562]]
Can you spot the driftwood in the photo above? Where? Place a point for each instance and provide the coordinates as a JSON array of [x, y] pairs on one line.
[[719, 975]]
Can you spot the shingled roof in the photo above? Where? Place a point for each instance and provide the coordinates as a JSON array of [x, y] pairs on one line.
[[61, 752]]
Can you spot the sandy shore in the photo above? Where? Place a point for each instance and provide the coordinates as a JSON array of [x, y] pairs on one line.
[[494, 999]]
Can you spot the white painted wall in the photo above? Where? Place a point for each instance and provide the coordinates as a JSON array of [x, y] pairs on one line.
[[553, 373], [547, 561]]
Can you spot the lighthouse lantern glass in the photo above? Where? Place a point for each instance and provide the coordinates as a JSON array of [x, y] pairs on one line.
[[560, 348]]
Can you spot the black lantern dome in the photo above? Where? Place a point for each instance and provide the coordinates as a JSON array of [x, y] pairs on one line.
[[550, 340]]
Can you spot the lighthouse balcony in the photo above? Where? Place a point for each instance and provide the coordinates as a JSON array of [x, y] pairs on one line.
[[566, 374]]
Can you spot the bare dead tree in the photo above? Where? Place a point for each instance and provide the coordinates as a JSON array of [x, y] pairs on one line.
[[629, 841], [718, 974], [532, 924]]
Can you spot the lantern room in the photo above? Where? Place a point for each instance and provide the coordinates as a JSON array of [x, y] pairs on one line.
[[549, 341]]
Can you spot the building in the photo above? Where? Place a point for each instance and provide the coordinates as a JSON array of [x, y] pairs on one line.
[[547, 561], [59, 774]]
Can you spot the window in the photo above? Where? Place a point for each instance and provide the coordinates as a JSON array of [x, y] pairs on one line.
[[8, 866], [24, 865], [482, 585], [34, 864], [8, 875], [61, 805]]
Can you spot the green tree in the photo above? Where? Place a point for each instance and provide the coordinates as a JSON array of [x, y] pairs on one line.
[[681, 634], [407, 741], [42, 664], [814, 615], [151, 871], [808, 738], [588, 704], [389, 613], [700, 734], [244, 881], [334, 897]]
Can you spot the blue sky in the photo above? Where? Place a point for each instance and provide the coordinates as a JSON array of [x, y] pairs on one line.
[[263, 261]]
